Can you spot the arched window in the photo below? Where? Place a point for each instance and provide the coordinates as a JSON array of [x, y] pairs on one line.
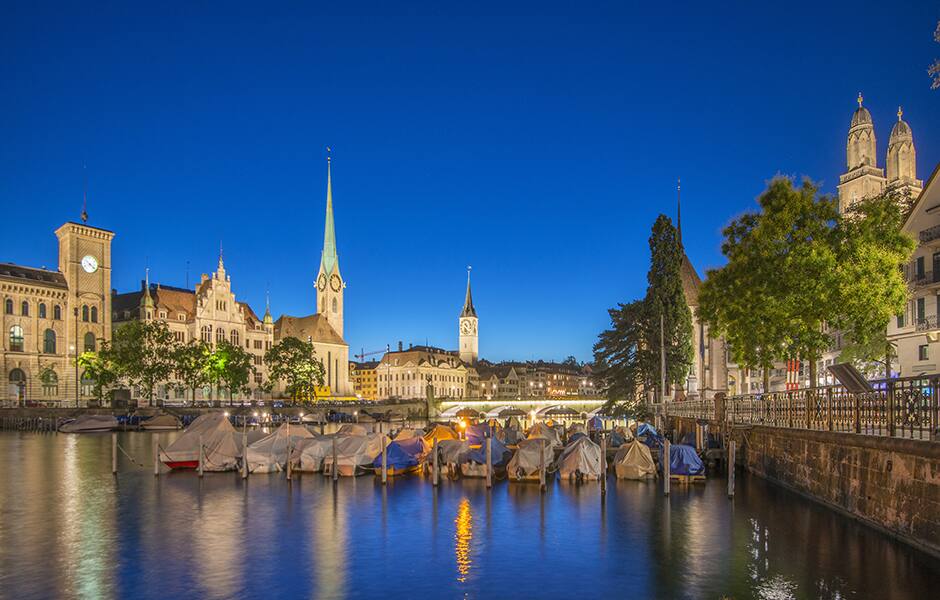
[[207, 334], [42, 310], [48, 342], [50, 385], [90, 342], [24, 308], [85, 313], [8, 306], [233, 337], [16, 338], [220, 335], [94, 314], [335, 304], [57, 312]]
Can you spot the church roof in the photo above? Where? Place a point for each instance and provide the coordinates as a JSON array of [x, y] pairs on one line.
[[424, 355], [901, 131], [329, 258], [861, 116], [31, 275], [691, 282], [313, 327], [468, 309]]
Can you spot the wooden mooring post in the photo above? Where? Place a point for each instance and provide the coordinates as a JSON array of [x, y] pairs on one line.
[[667, 475], [384, 463], [114, 453], [603, 464], [156, 456], [542, 464], [489, 461], [202, 456], [245, 453], [731, 469], [335, 472], [435, 464]]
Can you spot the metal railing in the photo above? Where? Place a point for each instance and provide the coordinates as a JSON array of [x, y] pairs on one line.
[[929, 234], [905, 408], [926, 324]]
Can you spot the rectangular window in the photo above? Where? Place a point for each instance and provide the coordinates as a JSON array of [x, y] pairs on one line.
[[919, 267], [901, 319], [922, 352], [921, 309]]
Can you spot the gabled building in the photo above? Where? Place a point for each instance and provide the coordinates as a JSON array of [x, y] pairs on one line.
[[406, 373]]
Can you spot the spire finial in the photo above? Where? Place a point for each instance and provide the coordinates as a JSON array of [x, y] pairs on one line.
[[147, 279], [220, 255], [860, 99], [84, 193], [900, 113], [328, 153], [679, 208], [468, 310]]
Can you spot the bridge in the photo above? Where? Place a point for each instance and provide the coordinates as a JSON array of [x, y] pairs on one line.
[[874, 456]]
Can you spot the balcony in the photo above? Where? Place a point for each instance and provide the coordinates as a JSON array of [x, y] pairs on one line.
[[926, 324], [930, 234], [924, 278]]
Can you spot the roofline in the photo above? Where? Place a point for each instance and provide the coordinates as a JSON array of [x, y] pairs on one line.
[[920, 198], [88, 226]]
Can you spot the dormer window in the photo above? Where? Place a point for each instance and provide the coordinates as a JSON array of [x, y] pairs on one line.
[[181, 317], [162, 314]]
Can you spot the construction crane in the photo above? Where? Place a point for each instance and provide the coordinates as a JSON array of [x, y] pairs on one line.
[[363, 354]]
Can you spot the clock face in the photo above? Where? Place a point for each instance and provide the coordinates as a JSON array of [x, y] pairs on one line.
[[89, 263], [335, 282], [466, 326], [321, 282]]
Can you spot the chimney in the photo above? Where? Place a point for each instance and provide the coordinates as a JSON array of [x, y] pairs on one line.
[[399, 345], [410, 345]]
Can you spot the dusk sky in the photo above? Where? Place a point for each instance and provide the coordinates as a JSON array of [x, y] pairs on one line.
[[536, 144]]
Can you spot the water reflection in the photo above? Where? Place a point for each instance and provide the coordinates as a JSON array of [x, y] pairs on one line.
[[462, 538]]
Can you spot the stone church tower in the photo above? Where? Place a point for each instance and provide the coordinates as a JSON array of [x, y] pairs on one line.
[[863, 178], [330, 284], [469, 334]]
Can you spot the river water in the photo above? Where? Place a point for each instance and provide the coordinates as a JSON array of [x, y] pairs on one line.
[[69, 529]]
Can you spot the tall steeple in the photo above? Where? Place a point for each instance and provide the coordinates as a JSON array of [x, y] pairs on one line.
[[329, 257], [468, 310], [679, 208]]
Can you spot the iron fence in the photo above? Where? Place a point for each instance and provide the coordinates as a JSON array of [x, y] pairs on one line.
[[905, 408]]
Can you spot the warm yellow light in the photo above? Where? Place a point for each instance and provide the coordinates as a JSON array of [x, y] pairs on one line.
[[462, 424], [301, 415], [226, 414], [256, 413]]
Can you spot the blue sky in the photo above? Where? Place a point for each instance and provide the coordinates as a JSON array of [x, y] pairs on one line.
[[534, 142]]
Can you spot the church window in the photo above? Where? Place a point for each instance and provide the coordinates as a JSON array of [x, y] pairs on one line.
[[9, 306], [85, 313], [220, 335], [42, 310], [94, 314], [50, 387], [48, 342], [24, 308], [16, 338], [90, 342]]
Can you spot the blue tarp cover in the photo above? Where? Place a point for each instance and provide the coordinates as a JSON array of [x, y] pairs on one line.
[[476, 433], [595, 423], [501, 454], [684, 461], [652, 437], [401, 454]]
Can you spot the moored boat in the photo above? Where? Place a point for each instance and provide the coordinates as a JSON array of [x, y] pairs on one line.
[[89, 424]]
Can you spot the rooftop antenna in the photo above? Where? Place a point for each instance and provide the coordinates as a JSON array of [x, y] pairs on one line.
[[84, 194]]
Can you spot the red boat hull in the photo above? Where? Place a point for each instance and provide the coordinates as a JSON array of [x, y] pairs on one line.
[[182, 464]]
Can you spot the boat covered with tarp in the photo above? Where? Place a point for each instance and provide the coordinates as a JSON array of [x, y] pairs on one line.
[[161, 423], [580, 459], [475, 463], [634, 461], [407, 433], [309, 453], [478, 432], [544, 431], [647, 434], [530, 456], [89, 424], [352, 429], [269, 454], [451, 454], [684, 460], [354, 453], [403, 456], [221, 441], [440, 432]]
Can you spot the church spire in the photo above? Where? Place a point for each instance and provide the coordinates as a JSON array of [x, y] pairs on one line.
[[468, 310], [679, 208], [329, 258]]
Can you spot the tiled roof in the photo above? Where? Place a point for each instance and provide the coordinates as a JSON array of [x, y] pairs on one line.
[[31, 275], [691, 282], [315, 327]]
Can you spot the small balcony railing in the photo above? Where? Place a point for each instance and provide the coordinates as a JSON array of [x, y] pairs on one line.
[[925, 278], [926, 324], [930, 234]]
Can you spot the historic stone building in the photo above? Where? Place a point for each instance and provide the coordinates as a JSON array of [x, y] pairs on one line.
[[364, 379], [324, 329], [50, 317], [208, 313], [863, 177], [406, 373]]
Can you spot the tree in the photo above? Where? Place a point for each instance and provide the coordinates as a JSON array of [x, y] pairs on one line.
[[143, 354], [294, 362], [934, 69], [232, 365], [191, 365], [627, 356], [99, 368], [572, 362]]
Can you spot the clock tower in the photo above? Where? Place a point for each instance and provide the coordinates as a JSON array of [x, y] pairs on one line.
[[469, 334], [330, 284]]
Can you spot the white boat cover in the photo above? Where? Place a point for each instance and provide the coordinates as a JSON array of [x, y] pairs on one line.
[[576, 428], [269, 454], [221, 441], [90, 423], [354, 453], [634, 461], [407, 433], [541, 430], [352, 429], [525, 462], [580, 457], [309, 453], [161, 422], [453, 452]]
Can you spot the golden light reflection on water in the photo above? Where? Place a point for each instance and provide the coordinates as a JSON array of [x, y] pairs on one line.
[[462, 538]]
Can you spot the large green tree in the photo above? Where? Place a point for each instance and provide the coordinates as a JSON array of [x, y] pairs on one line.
[[797, 270], [142, 352], [628, 355], [231, 365], [294, 363], [191, 366], [99, 368]]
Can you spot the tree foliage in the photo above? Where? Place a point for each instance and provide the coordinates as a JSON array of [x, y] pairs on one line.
[[231, 365], [142, 352], [798, 269], [100, 369], [294, 363], [627, 356], [191, 365]]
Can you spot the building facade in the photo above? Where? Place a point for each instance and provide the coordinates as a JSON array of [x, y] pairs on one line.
[[208, 313], [50, 317], [406, 373], [364, 378], [324, 329]]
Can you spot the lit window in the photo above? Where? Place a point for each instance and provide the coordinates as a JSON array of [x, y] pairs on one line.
[[16, 338], [90, 342], [922, 352]]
